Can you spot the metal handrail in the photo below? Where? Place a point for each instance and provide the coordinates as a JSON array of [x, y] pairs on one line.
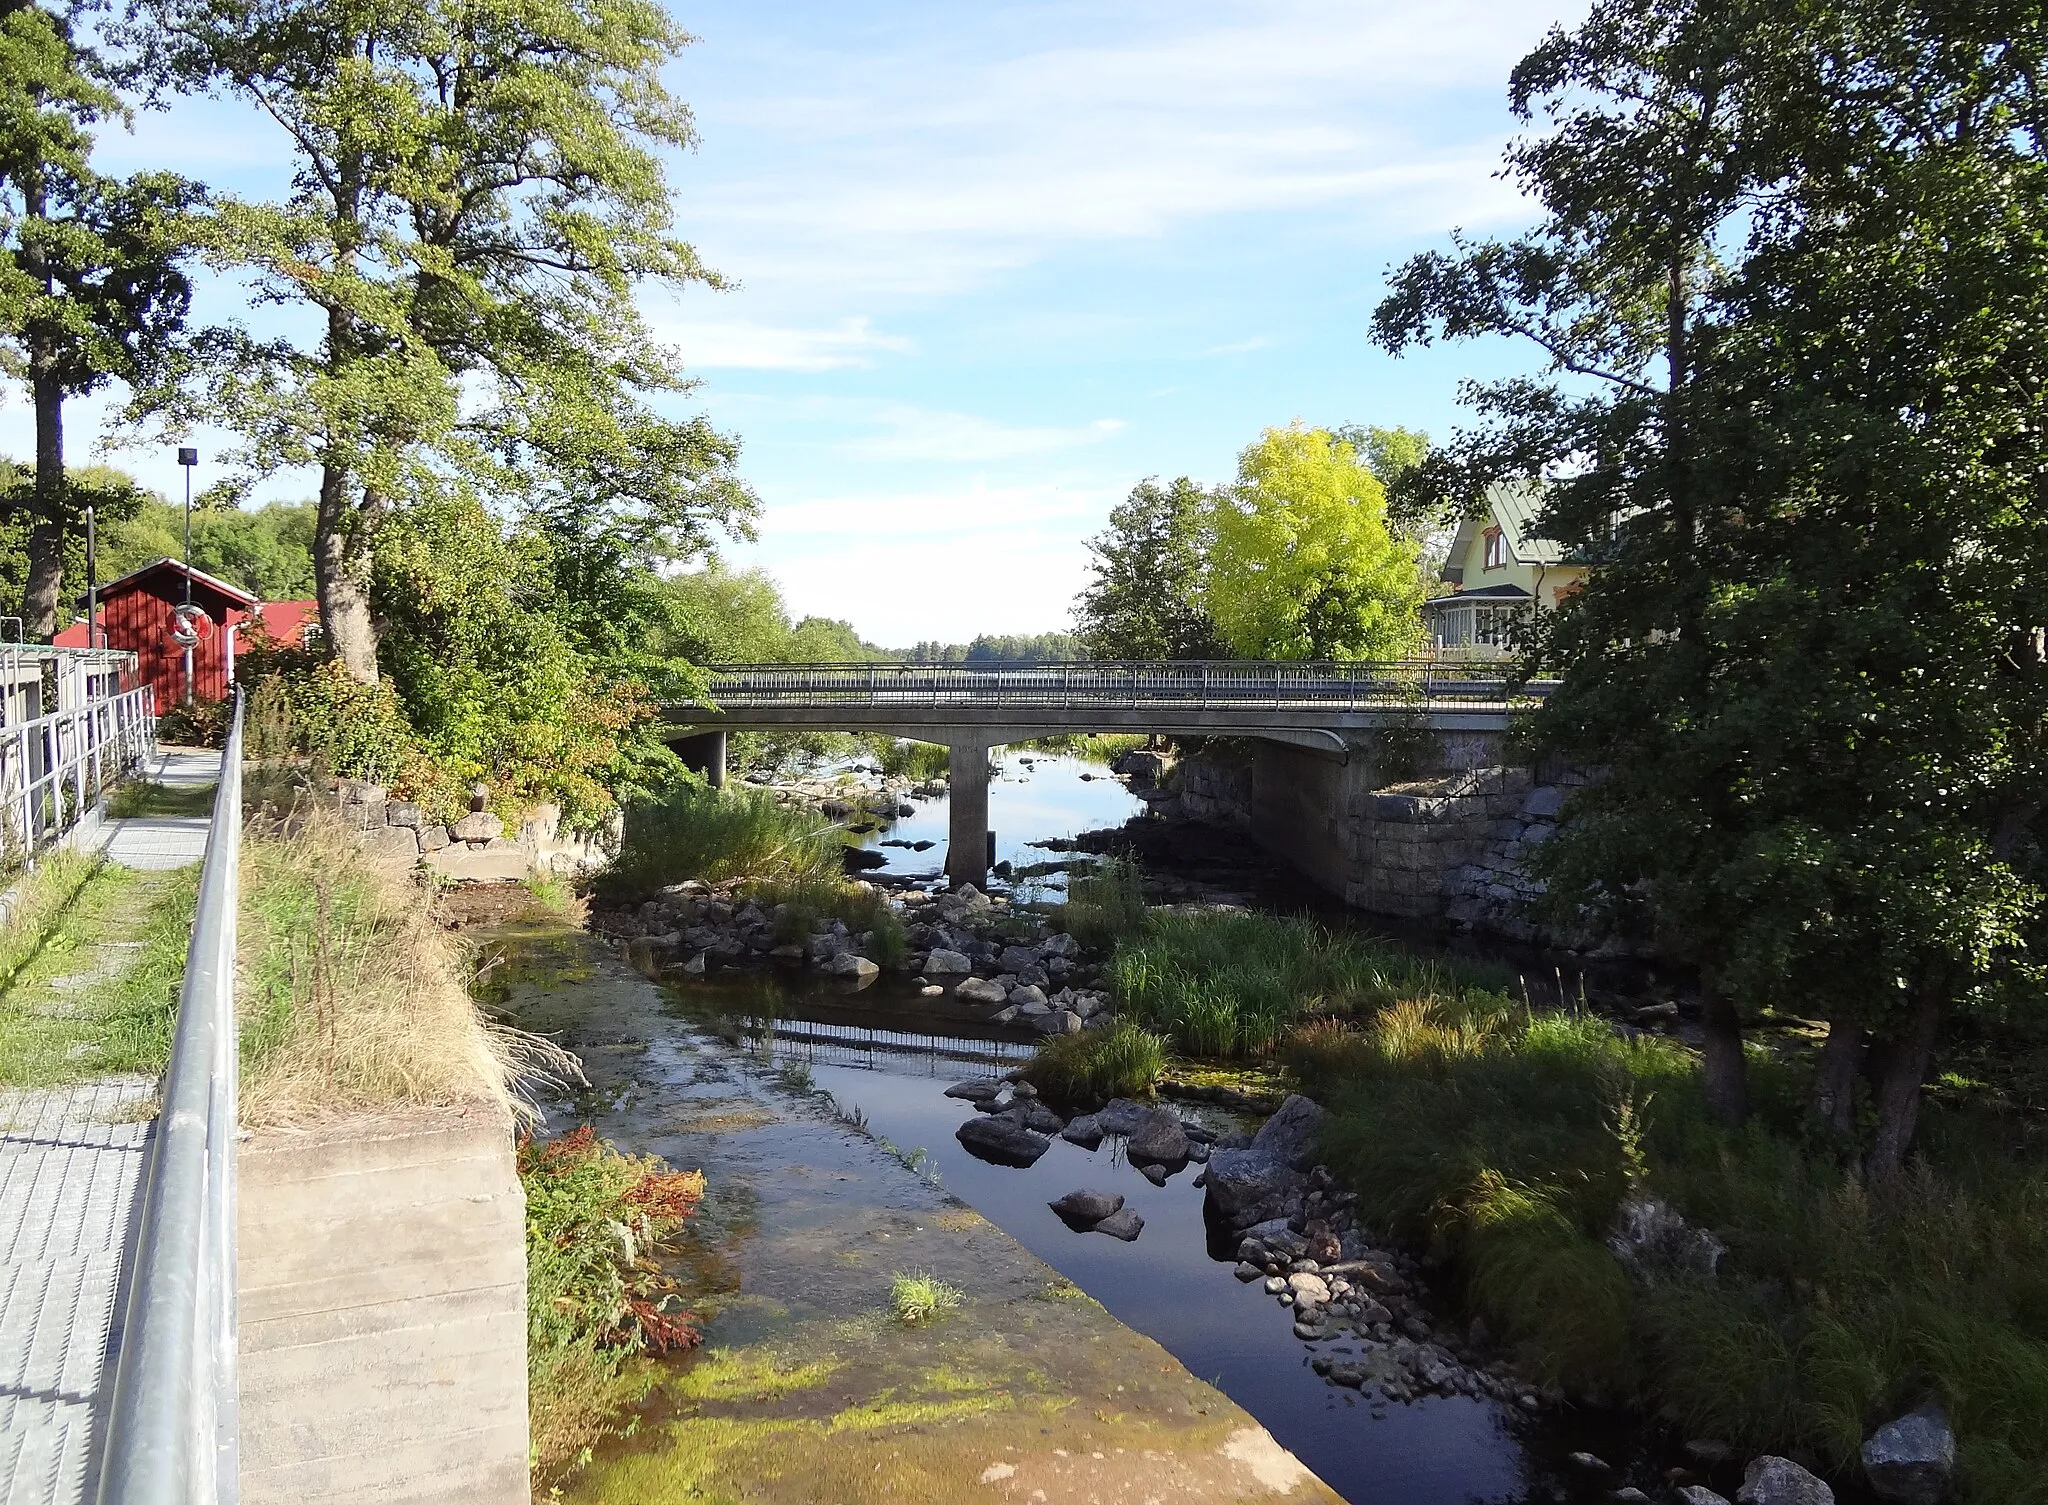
[[1211, 683], [173, 1431], [54, 769]]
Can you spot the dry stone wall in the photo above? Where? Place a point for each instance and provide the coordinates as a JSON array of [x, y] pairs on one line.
[[397, 835]]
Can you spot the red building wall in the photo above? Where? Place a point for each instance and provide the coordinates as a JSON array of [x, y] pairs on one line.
[[136, 615]]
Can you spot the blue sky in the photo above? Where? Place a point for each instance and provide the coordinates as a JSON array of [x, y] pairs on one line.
[[998, 262]]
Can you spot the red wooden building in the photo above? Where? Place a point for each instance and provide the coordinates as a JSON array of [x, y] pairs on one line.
[[138, 613]]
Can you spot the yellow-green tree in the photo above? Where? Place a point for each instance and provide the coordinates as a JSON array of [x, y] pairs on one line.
[[1302, 563]]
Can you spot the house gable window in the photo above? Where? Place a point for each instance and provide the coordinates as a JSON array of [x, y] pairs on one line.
[[1496, 549]]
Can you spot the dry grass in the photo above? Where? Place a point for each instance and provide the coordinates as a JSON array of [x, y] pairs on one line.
[[352, 997]]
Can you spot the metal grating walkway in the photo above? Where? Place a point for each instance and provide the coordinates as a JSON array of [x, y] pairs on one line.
[[70, 1161]]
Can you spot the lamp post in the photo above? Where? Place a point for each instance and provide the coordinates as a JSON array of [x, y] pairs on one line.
[[187, 460], [92, 584]]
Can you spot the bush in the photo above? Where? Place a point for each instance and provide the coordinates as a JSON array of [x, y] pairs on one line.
[[714, 834], [594, 1293], [1096, 1065]]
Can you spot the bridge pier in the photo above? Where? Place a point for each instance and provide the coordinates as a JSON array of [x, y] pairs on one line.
[[705, 753], [967, 813]]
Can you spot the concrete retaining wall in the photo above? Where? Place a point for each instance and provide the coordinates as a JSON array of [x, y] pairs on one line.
[[383, 1313]]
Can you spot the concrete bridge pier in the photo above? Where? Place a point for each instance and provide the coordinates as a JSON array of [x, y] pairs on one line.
[[705, 753], [967, 813]]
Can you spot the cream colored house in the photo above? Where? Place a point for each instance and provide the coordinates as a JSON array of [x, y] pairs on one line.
[[1499, 571]]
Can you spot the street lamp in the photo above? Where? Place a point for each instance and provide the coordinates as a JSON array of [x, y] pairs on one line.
[[187, 460]]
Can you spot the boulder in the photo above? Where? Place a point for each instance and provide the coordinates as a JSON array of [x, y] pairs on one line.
[[1086, 1131], [1309, 1290], [1017, 958], [977, 990], [1057, 1022], [1780, 1481], [1156, 1174], [433, 838], [943, 963], [1000, 1141], [1123, 1116], [478, 826], [1061, 945], [1024, 997], [1158, 1141], [1699, 1494], [1910, 1461], [1082, 1210], [1124, 1224], [1035, 1115], [1289, 1136], [1246, 1184], [851, 964], [1654, 1243], [974, 1092], [402, 813]]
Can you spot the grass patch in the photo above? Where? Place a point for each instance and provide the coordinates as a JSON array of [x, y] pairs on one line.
[[1091, 747], [1098, 1064], [1226, 984], [917, 762], [594, 1294], [918, 1298], [144, 797], [716, 834], [1106, 904], [91, 960], [351, 996], [1509, 1141]]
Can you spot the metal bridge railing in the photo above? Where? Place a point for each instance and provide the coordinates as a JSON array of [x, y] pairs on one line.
[[173, 1432], [1252, 684], [55, 768]]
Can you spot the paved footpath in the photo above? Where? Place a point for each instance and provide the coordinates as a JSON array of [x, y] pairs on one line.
[[71, 1159]]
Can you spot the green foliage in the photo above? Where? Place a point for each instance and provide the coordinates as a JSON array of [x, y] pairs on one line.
[[919, 1297], [268, 550], [1105, 904], [594, 1219], [919, 762], [888, 943], [1821, 710], [1302, 564], [714, 834], [1097, 1064], [1145, 601], [1508, 1141]]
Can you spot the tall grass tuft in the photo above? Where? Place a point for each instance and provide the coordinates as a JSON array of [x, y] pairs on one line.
[[715, 834], [919, 762], [1509, 1142], [1096, 1065], [351, 996], [1107, 904]]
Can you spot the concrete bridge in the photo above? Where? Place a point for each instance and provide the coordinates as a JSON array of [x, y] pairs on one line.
[[1326, 708]]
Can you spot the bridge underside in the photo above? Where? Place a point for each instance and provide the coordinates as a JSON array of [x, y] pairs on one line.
[[969, 731]]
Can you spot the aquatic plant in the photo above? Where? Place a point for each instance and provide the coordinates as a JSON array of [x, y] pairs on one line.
[[1096, 1065], [716, 834], [919, 1297], [1107, 904]]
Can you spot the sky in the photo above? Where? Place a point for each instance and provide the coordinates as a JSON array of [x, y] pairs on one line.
[[998, 262]]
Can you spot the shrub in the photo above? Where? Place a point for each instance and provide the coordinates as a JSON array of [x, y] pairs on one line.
[[594, 1294], [1096, 1065]]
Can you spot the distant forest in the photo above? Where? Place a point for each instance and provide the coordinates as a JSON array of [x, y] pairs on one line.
[[1007, 648]]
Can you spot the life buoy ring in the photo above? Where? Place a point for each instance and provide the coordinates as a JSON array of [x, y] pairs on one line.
[[190, 626]]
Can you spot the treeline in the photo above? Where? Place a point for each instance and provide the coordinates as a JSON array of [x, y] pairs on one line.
[[1300, 557], [998, 648]]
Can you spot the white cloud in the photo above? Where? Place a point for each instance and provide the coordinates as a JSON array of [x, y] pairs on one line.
[[920, 434], [709, 344]]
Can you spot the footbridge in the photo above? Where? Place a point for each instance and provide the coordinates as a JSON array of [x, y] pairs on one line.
[[970, 708]]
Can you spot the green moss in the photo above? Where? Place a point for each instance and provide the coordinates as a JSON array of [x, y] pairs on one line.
[[738, 1374]]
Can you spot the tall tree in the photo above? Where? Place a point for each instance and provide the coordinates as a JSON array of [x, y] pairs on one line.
[[1145, 600], [1791, 292], [479, 195], [1301, 562], [90, 290]]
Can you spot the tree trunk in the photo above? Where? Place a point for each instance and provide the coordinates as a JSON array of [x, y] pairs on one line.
[[43, 591], [1902, 1063], [341, 576], [1835, 1073], [1726, 1072]]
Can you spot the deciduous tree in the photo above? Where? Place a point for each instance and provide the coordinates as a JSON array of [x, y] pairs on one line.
[[1145, 600]]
